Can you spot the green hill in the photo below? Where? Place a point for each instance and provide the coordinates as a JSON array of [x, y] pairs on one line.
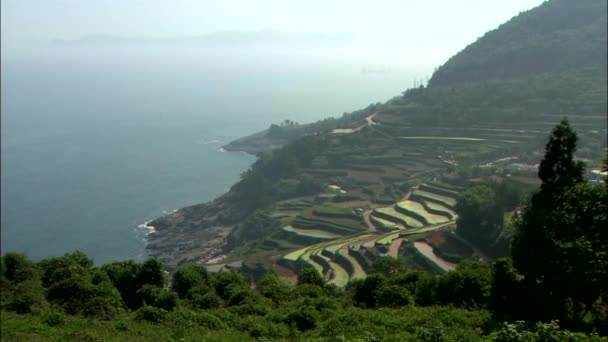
[[557, 36], [493, 101]]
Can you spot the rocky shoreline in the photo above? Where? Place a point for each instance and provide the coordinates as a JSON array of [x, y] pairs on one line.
[[193, 234]]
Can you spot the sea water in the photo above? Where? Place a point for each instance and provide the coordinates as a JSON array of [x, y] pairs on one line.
[[94, 147]]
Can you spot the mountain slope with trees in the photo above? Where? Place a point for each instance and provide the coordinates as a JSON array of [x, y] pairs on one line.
[[495, 99], [556, 285]]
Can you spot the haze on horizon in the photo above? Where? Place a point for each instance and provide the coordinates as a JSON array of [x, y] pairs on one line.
[[425, 33]]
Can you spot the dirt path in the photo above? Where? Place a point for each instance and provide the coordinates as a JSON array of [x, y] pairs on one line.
[[370, 225], [369, 122], [394, 248], [426, 250], [370, 119]]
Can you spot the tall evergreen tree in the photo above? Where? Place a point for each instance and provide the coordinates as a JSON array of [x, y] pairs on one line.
[[560, 246], [558, 169]]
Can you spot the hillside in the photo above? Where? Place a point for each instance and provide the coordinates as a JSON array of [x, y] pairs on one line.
[[557, 36], [389, 185], [389, 224]]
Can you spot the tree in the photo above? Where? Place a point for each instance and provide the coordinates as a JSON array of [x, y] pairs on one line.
[[504, 294], [558, 169], [468, 285], [188, 277], [20, 284], [228, 283], [561, 245], [124, 276], [152, 273], [365, 290], [271, 287], [480, 216], [393, 296], [310, 276], [388, 266]]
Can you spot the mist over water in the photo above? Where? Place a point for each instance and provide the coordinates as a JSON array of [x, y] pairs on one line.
[[96, 141]]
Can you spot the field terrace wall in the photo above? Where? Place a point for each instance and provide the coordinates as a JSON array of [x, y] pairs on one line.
[[392, 219], [437, 190], [301, 239], [424, 203], [420, 196], [412, 214]]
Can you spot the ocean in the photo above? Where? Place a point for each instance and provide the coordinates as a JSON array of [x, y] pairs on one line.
[[93, 147]]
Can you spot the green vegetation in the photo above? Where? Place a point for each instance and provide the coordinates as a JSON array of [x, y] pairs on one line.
[[417, 210], [452, 249], [450, 146], [390, 214], [315, 233]]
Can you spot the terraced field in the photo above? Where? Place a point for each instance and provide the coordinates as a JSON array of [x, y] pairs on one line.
[[342, 259], [419, 210], [446, 201], [392, 215], [387, 239], [358, 272], [439, 208], [315, 233], [382, 223]]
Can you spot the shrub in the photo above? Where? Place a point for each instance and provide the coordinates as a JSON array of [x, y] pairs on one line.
[[393, 296], [151, 314], [304, 319], [205, 300], [189, 276]]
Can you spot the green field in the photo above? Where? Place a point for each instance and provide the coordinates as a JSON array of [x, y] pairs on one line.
[[339, 244], [387, 239], [391, 212], [439, 207], [316, 233], [451, 202], [417, 208], [382, 223], [358, 272]]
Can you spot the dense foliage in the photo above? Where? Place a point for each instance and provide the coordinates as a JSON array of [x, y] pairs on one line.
[[391, 304], [560, 275], [558, 35], [544, 63]]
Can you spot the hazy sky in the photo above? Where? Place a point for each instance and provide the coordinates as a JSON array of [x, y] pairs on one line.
[[458, 22]]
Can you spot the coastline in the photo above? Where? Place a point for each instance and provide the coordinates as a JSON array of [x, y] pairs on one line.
[[195, 233]]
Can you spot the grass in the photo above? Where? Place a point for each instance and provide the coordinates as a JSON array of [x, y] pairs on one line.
[[334, 211], [316, 233], [382, 223], [306, 257], [295, 255], [310, 223], [334, 247], [418, 209], [449, 201], [387, 239], [439, 207], [438, 189], [399, 217], [342, 323], [358, 272], [340, 276]]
